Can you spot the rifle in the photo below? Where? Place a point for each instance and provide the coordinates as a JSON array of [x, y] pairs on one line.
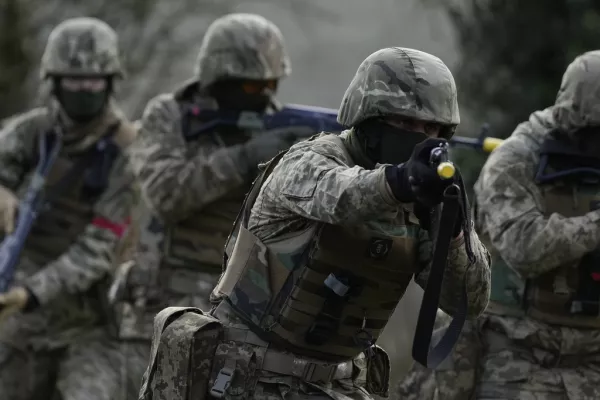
[[483, 142], [319, 119], [29, 208]]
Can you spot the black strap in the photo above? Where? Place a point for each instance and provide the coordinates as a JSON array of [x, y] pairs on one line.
[[336, 291], [450, 208]]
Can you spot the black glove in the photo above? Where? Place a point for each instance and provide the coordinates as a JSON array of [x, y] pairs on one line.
[[416, 180], [267, 145]]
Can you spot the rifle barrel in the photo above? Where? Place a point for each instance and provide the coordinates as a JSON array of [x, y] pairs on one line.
[[487, 144]]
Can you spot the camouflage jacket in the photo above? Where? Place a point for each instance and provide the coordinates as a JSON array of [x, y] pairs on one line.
[[313, 183], [510, 203], [176, 177], [66, 288]]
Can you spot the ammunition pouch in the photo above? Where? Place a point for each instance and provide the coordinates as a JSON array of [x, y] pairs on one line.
[[378, 372], [586, 300], [238, 367], [244, 360], [563, 297], [235, 369], [336, 291], [183, 346]]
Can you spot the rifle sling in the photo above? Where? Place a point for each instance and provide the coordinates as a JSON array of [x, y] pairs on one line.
[[429, 305]]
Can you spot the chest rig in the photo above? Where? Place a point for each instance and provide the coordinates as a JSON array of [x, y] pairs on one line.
[[326, 292], [73, 185], [568, 295], [197, 241]]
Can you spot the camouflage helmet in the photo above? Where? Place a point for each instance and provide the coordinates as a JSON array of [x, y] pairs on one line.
[[401, 82], [81, 47], [242, 45], [578, 100]]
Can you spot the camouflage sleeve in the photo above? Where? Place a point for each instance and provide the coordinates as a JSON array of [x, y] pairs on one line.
[[17, 147], [459, 271], [313, 183], [510, 210], [90, 258], [172, 183]]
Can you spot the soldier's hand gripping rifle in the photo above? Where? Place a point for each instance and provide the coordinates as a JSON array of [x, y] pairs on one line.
[[29, 207], [445, 216]]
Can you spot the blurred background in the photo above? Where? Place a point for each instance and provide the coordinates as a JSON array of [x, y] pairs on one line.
[[507, 57]]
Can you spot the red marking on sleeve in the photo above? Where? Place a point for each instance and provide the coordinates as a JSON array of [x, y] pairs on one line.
[[116, 228], [596, 276]]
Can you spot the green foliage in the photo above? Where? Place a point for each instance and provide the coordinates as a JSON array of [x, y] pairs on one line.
[[15, 60], [513, 56], [148, 33], [515, 52]]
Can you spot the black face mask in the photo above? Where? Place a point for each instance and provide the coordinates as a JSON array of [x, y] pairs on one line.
[[82, 106], [230, 95], [387, 144]]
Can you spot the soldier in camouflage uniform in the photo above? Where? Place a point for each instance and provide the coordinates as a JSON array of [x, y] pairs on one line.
[[328, 239], [539, 337], [55, 307], [541, 334], [193, 184]]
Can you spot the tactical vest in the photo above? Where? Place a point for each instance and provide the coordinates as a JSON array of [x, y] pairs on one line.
[[198, 240], [69, 211], [551, 297], [326, 292]]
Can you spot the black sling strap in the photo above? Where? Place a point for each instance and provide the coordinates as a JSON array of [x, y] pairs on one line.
[[454, 202]]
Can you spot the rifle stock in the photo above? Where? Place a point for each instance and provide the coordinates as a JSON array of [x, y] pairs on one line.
[[12, 245]]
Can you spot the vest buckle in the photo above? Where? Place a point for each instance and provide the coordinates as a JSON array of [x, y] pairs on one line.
[[338, 287], [223, 380], [319, 373]]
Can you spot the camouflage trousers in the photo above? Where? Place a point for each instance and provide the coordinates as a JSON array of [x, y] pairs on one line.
[[526, 359], [455, 378], [94, 367], [513, 358]]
